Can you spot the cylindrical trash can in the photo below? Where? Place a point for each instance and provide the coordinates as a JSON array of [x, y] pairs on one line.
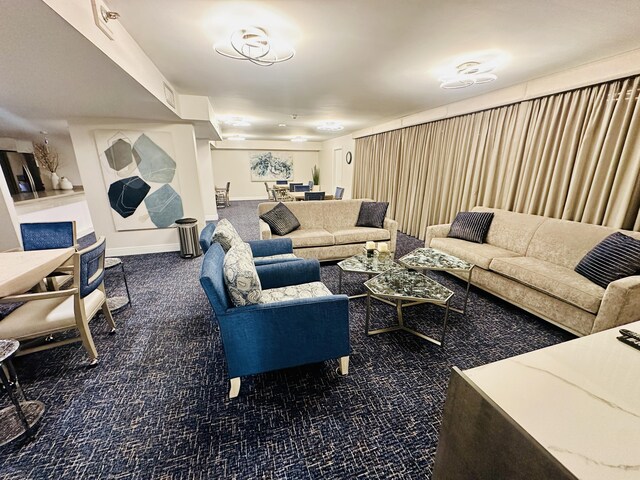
[[188, 232]]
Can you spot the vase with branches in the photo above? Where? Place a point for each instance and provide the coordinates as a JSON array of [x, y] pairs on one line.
[[47, 157], [315, 175]]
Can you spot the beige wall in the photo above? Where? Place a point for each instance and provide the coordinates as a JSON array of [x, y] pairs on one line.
[[136, 241], [233, 166], [338, 174]]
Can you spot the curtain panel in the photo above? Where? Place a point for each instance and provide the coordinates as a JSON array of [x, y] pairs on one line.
[[574, 155]]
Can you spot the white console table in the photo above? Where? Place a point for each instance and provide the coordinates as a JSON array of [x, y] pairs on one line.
[[567, 411]]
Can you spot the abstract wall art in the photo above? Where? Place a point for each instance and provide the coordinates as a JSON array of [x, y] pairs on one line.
[[140, 176], [270, 166]]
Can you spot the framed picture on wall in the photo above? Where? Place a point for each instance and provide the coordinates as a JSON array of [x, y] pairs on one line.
[[270, 166]]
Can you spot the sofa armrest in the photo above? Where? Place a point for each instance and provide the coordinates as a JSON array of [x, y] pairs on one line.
[[392, 226], [274, 246], [265, 230], [283, 274], [206, 236], [436, 231], [620, 304]]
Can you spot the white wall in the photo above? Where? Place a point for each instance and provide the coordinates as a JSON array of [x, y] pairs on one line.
[[205, 175], [136, 241], [58, 210], [233, 166], [347, 144], [9, 236]]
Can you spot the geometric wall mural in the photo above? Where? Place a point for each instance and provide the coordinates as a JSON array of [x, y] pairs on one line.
[[269, 166], [141, 179]]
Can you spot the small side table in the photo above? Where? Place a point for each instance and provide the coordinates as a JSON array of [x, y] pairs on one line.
[[23, 416], [118, 302]]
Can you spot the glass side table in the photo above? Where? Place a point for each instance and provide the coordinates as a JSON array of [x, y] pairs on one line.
[[404, 288], [23, 416], [362, 264], [422, 259]]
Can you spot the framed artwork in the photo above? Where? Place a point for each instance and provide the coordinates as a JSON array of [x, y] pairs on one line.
[[270, 166], [140, 177]]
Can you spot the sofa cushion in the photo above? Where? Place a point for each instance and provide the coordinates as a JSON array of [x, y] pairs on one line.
[[280, 219], [311, 237], [346, 235], [615, 257], [372, 214], [479, 254], [295, 292], [240, 275], [559, 282], [226, 235], [471, 226], [505, 223]]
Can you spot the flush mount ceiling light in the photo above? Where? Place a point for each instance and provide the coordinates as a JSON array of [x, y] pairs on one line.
[[469, 73], [236, 137], [237, 122], [299, 139], [330, 126], [253, 44]]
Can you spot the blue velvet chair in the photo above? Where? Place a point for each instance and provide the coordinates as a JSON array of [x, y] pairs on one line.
[[264, 251], [281, 182], [301, 188], [339, 193], [270, 336], [314, 195], [292, 186]]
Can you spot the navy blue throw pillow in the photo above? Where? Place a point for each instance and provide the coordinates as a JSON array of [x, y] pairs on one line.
[[281, 220], [615, 257], [471, 226], [372, 214]]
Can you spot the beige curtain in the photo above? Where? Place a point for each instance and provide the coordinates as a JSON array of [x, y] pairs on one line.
[[574, 155]]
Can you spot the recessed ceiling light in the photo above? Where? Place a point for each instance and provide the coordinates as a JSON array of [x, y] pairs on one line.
[[282, 124], [330, 126], [236, 137], [298, 139]]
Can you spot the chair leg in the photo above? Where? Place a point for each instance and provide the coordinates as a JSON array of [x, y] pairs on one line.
[[235, 387], [344, 365], [107, 314], [87, 342]]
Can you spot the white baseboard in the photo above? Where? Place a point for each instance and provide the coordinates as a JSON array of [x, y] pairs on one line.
[[124, 251]]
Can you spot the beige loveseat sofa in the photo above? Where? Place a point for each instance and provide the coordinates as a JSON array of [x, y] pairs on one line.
[[529, 261], [328, 229]]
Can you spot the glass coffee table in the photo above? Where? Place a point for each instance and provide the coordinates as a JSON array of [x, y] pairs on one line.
[[362, 264], [403, 288], [431, 259]]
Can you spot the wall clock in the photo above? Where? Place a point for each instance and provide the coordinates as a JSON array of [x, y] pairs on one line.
[[349, 158]]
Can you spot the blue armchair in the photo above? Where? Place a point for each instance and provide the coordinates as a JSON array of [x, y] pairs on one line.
[[277, 334], [264, 251]]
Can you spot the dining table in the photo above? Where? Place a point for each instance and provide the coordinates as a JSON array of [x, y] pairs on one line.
[[20, 271]]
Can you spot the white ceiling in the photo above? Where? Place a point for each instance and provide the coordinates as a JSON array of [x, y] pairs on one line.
[[362, 62]]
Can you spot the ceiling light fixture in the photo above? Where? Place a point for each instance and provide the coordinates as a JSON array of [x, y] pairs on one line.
[[282, 124], [330, 126], [299, 139], [236, 137], [469, 73], [237, 122], [253, 44]]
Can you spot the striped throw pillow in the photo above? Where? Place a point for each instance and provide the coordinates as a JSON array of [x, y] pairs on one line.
[[615, 257], [372, 214], [471, 226], [280, 219]]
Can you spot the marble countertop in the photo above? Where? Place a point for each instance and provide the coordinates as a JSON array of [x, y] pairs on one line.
[[580, 400]]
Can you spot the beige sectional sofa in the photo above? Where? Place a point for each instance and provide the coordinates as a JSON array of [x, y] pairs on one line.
[[529, 261], [328, 229]]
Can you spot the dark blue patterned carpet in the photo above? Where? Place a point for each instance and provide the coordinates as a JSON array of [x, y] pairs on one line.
[[156, 405]]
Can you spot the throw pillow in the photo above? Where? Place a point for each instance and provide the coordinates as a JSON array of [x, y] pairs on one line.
[[615, 257], [240, 276], [372, 214], [226, 235], [471, 226], [281, 220]]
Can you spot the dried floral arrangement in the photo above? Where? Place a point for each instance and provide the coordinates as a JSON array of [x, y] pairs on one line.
[[46, 156]]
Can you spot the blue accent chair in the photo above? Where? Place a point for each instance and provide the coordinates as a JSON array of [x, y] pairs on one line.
[[314, 195], [265, 337], [265, 252], [339, 193], [281, 182], [292, 186], [311, 184], [301, 188]]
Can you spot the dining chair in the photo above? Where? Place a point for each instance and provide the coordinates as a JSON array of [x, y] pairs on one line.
[[292, 186], [311, 184], [47, 236], [301, 188], [281, 182], [339, 193], [48, 313], [227, 193], [314, 195]]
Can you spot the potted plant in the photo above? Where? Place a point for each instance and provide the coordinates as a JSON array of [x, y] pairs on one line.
[[47, 157], [315, 175]]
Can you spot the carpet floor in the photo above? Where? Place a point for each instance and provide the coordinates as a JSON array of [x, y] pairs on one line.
[[156, 405]]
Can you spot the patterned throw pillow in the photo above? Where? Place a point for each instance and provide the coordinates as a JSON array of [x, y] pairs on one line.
[[280, 219], [226, 235], [372, 214], [240, 276], [471, 226], [615, 257]]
